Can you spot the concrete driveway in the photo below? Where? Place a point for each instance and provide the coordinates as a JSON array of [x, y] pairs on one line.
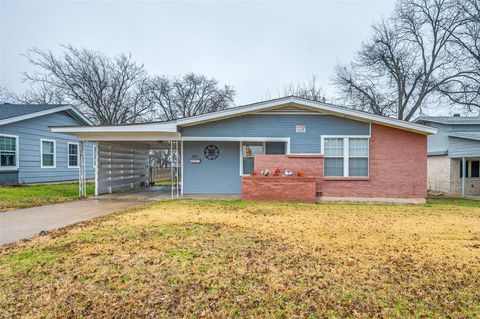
[[26, 223]]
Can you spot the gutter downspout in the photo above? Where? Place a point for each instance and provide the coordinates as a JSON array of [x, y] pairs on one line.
[[464, 171]]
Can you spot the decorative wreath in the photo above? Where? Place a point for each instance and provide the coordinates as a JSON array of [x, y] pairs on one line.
[[211, 152]]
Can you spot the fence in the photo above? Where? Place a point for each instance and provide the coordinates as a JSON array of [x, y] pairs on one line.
[[160, 174]]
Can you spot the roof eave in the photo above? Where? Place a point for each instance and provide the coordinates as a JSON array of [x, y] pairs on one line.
[[337, 110], [68, 108], [467, 137], [160, 128]]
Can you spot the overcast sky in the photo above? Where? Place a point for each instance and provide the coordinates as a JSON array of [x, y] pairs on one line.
[[255, 46]]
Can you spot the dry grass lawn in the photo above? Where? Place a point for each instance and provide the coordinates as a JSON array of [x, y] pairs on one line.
[[229, 259]]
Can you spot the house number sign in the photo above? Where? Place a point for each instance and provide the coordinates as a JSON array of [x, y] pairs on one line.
[[211, 152]]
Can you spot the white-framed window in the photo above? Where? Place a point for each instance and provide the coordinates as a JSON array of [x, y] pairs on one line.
[[94, 156], [72, 155], [345, 156], [48, 153], [334, 163], [248, 150], [358, 157], [8, 152]]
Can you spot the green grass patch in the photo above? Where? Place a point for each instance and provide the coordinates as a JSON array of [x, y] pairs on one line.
[[451, 201], [37, 195], [163, 183], [26, 260]]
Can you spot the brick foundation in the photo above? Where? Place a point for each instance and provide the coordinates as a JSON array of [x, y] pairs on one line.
[[278, 188]]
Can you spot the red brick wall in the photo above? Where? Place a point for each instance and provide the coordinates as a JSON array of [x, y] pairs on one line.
[[278, 188], [397, 168], [312, 165]]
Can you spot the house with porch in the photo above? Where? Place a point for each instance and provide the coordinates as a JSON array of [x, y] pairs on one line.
[[453, 155], [332, 152]]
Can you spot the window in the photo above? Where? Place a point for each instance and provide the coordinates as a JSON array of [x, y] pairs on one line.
[[48, 153], [358, 157], [278, 148], [249, 150], [334, 160], [472, 169], [345, 156], [72, 155], [8, 151], [475, 169], [94, 156]]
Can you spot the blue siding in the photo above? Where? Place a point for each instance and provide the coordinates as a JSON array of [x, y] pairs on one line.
[[281, 126], [441, 143], [222, 176], [30, 132], [219, 176], [460, 147], [438, 143]]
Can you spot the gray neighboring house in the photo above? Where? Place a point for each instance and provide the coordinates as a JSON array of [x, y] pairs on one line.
[[454, 155], [30, 153]]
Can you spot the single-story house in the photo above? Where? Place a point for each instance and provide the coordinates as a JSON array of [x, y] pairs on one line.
[[30, 153], [345, 154], [454, 155]]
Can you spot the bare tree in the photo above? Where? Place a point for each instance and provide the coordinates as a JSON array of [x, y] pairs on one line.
[[7, 96], [107, 90], [43, 94], [187, 96], [465, 90], [307, 90], [406, 61]]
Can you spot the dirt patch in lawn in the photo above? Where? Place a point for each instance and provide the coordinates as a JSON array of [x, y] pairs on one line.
[[232, 259]]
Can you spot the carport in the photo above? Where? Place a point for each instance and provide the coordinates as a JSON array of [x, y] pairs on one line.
[[122, 155]]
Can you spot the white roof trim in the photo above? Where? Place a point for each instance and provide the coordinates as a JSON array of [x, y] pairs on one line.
[[129, 136], [333, 109], [133, 128], [449, 120], [172, 127], [235, 139], [45, 112]]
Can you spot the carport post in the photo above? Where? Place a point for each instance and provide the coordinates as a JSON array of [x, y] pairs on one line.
[[171, 167], [464, 172], [82, 183]]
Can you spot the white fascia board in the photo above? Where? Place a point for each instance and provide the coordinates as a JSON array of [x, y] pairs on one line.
[[354, 114], [80, 115], [335, 110], [128, 136], [232, 112], [234, 139], [135, 128], [41, 113]]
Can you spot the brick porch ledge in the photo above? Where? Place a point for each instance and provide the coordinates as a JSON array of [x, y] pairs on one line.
[[279, 188]]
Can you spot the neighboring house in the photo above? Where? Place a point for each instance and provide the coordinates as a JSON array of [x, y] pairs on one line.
[[30, 153], [351, 154], [456, 143]]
